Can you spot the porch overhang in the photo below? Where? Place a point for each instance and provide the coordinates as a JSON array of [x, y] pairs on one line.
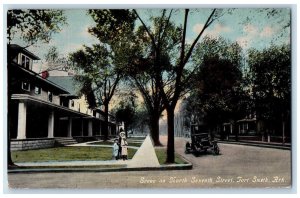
[[65, 110]]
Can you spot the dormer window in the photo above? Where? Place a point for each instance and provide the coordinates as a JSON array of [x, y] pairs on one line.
[[25, 62], [25, 86], [37, 90]]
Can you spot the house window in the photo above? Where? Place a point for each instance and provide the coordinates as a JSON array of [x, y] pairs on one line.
[[50, 96], [72, 103], [37, 90], [26, 86], [25, 62]]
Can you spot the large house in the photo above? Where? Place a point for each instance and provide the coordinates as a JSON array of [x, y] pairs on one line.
[[43, 112]]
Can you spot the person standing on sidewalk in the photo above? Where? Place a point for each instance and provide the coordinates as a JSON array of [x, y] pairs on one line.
[[119, 143], [116, 150], [124, 145]]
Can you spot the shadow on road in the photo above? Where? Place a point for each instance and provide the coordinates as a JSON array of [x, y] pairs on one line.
[[203, 154]]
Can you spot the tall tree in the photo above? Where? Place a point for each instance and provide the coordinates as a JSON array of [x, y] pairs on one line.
[[31, 26], [172, 88], [101, 65], [144, 71], [218, 95], [270, 78], [97, 76], [125, 112]]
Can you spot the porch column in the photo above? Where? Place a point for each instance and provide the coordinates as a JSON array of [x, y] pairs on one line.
[[70, 127], [51, 125], [231, 128], [22, 120], [90, 128]]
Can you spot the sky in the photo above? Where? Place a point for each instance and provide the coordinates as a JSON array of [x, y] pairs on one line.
[[251, 28]]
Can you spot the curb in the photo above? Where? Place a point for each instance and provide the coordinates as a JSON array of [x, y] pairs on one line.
[[187, 166], [59, 170], [256, 144]]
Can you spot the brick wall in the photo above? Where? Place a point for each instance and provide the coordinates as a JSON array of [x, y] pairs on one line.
[[27, 144]]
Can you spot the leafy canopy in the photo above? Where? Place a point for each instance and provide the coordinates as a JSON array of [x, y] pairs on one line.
[[34, 25]]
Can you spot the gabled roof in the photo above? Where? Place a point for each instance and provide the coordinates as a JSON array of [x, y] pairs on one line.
[[67, 82], [14, 49]]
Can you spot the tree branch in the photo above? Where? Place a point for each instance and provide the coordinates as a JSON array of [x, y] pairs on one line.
[[144, 92], [181, 63], [207, 23], [146, 28], [160, 25], [114, 86], [167, 23]]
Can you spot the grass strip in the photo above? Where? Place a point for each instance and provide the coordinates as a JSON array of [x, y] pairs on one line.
[[73, 153], [161, 154]]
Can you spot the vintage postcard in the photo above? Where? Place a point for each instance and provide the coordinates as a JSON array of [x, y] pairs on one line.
[[149, 98]]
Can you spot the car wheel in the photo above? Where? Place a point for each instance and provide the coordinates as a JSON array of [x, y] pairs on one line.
[[216, 150]]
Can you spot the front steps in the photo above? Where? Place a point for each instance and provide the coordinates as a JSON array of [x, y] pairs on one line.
[[64, 141]]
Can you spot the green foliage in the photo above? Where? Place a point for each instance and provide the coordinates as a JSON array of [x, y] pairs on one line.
[[217, 95], [100, 67], [96, 74], [112, 25], [140, 120], [125, 112], [34, 25], [270, 78], [218, 47]]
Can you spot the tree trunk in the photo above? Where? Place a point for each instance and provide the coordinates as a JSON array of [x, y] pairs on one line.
[[105, 132], [154, 128], [10, 163], [170, 146], [126, 129]]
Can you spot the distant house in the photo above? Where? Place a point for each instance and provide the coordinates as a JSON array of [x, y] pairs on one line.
[[42, 111]]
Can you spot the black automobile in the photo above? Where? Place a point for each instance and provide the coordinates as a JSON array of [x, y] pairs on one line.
[[201, 143]]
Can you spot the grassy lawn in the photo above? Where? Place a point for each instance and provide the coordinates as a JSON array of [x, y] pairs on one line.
[[111, 143], [66, 154], [136, 138], [161, 154]]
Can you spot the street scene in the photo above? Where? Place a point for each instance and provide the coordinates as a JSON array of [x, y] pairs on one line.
[[237, 166], [149, 98]]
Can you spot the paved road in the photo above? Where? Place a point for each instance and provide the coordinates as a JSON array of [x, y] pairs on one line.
[[236, 166]]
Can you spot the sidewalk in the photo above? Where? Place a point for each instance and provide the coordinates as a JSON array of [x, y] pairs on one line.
[[286, 146], [145, 156]]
